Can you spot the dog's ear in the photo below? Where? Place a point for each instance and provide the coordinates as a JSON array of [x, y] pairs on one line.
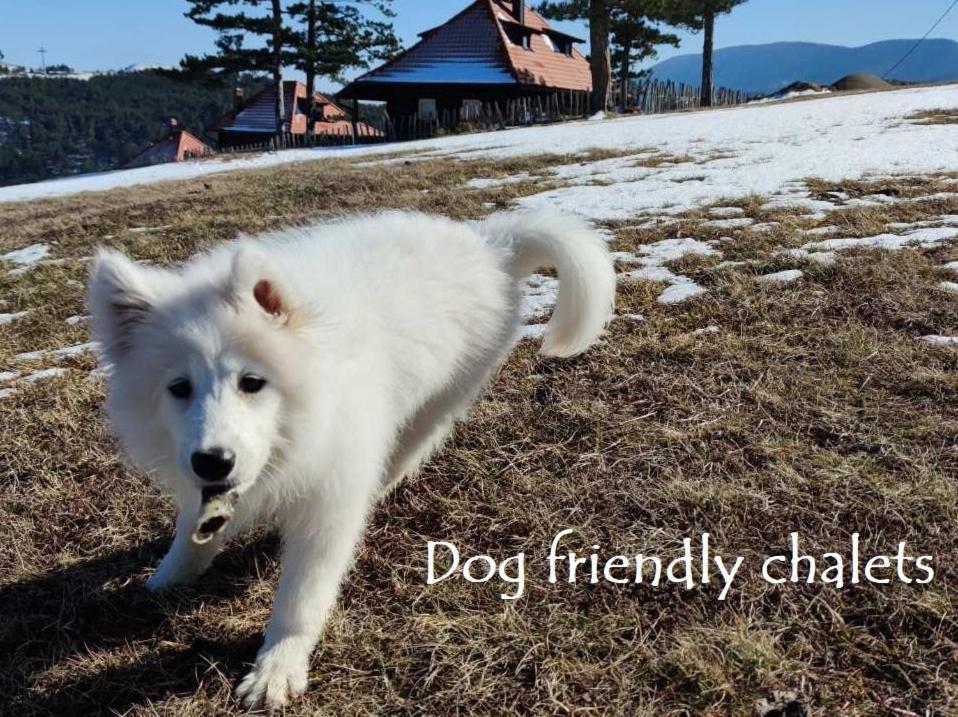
[[121, 297], [253, 280]]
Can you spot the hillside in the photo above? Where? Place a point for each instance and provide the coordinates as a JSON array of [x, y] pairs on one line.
[[767, 68], [780, 373], [58, 127]]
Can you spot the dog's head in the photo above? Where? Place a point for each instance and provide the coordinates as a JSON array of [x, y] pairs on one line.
[[203, 364]]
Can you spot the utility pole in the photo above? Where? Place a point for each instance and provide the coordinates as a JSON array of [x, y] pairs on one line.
[[43, 58]]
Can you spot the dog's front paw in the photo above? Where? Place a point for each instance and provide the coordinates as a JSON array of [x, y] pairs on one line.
[[279, 675], [170, 573]]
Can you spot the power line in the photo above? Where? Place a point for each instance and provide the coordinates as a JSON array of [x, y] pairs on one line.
[[918, 44]]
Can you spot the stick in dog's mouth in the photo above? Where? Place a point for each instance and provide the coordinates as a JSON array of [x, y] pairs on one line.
[[219, 504]]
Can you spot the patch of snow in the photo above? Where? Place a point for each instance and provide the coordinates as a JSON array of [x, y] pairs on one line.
[[652, 257], [637, 318], [532, 331], [44, 375], [76, 320], [940, 340], [872, 200], [75, 350], [9, 318], [731, 264], [8, 376], [782, 277], [668, 250], [925, 238], [726, 212], [765, 226], [735, 223], [538, 296], [6, 392], [951, 266], [679, 293], [822, 231], [490, 183], [26, 256], [707, 330], [949, 286], [779, 97], [825, 258], [943, 196], [800, 200], [654, 273], [147, 230], [600, 115], [102, 371]]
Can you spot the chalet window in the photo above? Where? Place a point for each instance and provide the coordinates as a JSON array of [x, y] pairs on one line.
[[559, 44], [471, 109], [518, 36], [427, 109]]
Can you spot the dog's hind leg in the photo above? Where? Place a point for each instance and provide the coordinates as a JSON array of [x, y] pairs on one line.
[[431, 426], [428, 430], [423, 437]]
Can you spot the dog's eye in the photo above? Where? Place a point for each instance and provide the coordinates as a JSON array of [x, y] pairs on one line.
[[251, 384], [181, 388]]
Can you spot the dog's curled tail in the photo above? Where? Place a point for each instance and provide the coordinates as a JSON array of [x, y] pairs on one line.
[[580, 256]]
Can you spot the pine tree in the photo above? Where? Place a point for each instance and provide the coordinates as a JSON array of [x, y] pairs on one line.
[[700, 15], [264, 20], [598, 14], [627, 21], [332, 37], [634, 39]]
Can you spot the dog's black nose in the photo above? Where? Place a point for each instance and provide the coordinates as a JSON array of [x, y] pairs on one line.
[[214, 464]]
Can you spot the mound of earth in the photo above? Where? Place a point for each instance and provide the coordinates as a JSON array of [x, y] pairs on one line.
[[800, 87], [861, 81]]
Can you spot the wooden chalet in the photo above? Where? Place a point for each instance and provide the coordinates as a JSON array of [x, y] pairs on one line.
[[494, 54], [178, 146], [252, 122]]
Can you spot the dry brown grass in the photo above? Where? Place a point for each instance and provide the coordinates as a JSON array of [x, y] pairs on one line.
[[949, 116], [813, 409]]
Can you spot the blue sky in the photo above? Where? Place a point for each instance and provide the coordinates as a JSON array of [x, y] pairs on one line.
[[110, 34]]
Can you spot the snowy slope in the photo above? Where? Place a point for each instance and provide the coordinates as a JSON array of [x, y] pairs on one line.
[[753, 149]]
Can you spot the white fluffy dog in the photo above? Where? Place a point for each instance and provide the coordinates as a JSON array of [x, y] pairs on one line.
[[307, 371]]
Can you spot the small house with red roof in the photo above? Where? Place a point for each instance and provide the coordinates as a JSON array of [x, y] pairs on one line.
[[178, 146], [491, 53], [253, 122]]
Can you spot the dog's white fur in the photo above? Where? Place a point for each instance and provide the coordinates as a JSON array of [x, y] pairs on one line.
[[374, 335]]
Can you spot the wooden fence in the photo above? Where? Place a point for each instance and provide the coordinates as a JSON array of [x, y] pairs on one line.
[[517, 112], [647, 97], [654, 97], [339, 135]]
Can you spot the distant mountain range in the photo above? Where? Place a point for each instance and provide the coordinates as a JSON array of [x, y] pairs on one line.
[[767, 68]]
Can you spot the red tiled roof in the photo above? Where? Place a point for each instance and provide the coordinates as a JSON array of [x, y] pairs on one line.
[[180, 145], [542, 64], [258, 114], [475, 48]]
